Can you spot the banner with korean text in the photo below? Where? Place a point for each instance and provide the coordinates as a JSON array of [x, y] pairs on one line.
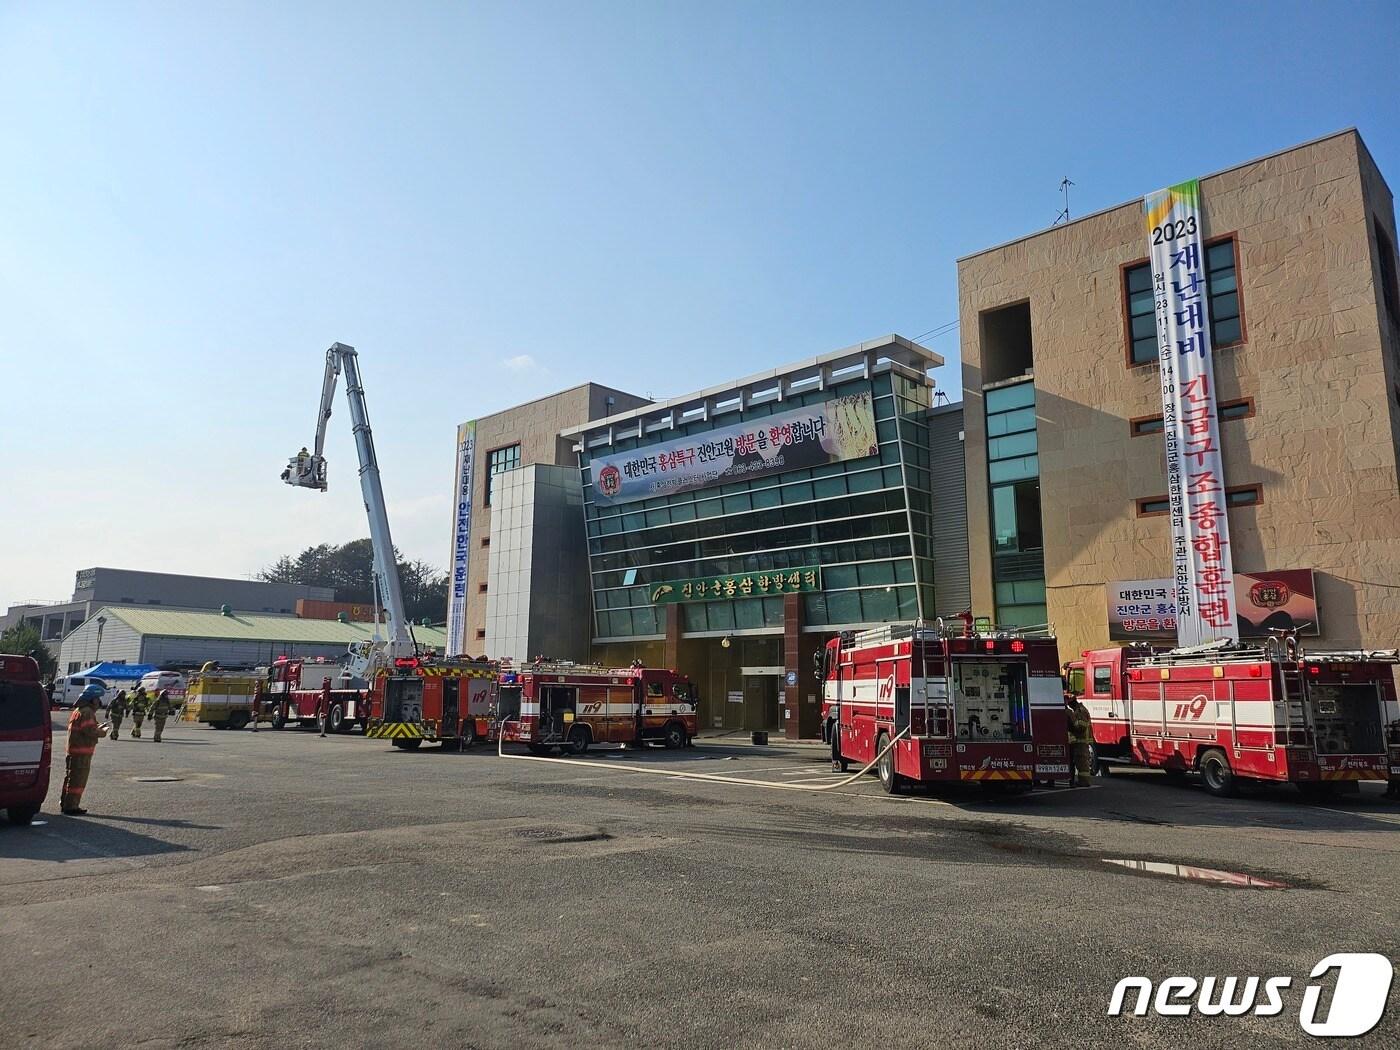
[[838, 429], [461, 537], [1281, 599], [1202, 581]]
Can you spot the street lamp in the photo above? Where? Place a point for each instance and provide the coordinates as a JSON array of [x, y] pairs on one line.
[[101, 623]]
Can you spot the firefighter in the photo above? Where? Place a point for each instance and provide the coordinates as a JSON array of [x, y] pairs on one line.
[[140, 703], [116, 711], [83, 734], [160, 711], [1081, 735]]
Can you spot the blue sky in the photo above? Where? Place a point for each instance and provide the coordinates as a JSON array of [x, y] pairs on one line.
[[494, 201]]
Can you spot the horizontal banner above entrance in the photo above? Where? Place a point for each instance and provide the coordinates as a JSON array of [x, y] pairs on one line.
[[742, 585], [1145, 610], [840, 429]]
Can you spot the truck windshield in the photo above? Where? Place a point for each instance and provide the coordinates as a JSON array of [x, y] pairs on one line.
[[21, 706], [1347, 718]]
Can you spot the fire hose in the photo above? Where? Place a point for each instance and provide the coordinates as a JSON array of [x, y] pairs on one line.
[[717, 777]]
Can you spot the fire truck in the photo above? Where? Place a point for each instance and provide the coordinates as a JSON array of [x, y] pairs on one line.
[[301, 693], [966, 704], [1236, 712], [451, 702], [563, 705]]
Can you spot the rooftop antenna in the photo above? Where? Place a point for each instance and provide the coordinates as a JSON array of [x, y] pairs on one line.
[[1065, 184]]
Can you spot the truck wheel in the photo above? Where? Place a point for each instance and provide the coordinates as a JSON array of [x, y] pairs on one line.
[[1219, 779], [21, 815], [337, 722], [1097, 767], [889, 779], [469, 737], [279, 717], [578, 740], [675, 736], [409, 745], [237, 721]]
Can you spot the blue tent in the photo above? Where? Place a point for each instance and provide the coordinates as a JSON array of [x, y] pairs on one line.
[[118, 672]]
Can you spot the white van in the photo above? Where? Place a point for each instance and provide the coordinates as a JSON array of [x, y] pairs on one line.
[[154, 682], [67, 689]]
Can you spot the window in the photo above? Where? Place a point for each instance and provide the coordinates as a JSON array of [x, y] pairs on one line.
[[1240, 408], [1235, 496], [481, 588], [1226, 319], [481, 634], [486, 541], [1103, 679], [498, 461], [1390, 288]]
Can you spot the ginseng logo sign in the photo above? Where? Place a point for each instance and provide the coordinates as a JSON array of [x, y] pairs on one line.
[[1360, 988]]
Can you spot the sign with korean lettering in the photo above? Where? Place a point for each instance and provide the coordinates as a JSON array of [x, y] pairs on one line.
[[839, 429], [461, 537], [742, 585], [1145, 610], [1202, 581]]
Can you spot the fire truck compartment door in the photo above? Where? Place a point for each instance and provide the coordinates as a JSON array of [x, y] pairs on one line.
[[450, 692]]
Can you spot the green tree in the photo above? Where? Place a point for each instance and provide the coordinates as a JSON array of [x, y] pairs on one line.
[[349, 569], [23, 640]]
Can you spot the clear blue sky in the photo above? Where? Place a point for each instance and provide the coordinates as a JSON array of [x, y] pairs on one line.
[[493, 201]]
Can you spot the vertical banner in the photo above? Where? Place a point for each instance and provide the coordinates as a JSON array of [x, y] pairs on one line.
[[1202, 576], [461, 538]]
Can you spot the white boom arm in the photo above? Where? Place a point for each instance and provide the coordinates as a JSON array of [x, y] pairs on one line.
[[308, 470]]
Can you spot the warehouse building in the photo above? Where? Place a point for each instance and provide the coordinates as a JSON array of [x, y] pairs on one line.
[[187, 638], [1067, 494], [96, 587]]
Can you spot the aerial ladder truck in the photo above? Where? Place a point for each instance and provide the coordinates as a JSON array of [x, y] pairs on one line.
[[401, 709], [308, 470]]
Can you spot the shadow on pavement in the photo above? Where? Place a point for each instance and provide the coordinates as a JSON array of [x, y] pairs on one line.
[[62, 840], [153, 822]]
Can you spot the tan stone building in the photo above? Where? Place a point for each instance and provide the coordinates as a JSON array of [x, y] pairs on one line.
[[522, 436], [1066, 474]]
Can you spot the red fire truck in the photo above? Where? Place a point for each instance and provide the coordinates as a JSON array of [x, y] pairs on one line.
[[564, 705], [301, 693], [1233, 712], [451, 702], [965, 704]]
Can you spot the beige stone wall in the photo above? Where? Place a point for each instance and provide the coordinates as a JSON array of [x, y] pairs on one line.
[[535, 425], [1324, 438]]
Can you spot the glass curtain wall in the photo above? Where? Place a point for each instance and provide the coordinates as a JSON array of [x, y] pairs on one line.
[[865, 522], [1013, 476]]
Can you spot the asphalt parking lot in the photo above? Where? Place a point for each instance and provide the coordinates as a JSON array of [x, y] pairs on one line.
[[279, 889]]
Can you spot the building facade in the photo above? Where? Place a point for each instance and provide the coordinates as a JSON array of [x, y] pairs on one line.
[[1065, 461], [502, 442], [732, 530]]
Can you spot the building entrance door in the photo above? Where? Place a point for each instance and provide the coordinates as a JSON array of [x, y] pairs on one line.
[[762, 708]]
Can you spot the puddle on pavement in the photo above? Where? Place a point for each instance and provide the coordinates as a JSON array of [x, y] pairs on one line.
[[156, 780], [1213, 876]]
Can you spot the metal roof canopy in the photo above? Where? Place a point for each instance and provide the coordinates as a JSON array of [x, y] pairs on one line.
[[259, 627], [775, 385]]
